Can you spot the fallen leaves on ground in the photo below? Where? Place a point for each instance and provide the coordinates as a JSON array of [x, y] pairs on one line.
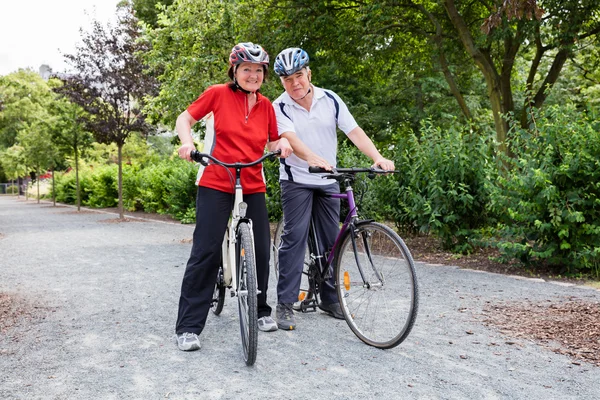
[[570, 327]]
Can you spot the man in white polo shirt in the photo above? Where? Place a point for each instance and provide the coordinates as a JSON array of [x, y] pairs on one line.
[[308, 117]]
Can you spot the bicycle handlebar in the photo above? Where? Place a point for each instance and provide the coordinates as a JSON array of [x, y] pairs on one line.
[[200, 157], [352, 170]]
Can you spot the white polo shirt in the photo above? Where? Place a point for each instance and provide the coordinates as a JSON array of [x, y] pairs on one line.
[[316, 128]]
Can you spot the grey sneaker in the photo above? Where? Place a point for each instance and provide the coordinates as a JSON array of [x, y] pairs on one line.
[[188, 341], [285, 317], [333, 309], [267, 324]]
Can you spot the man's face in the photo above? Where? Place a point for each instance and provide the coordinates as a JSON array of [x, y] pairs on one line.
[[297, 85]]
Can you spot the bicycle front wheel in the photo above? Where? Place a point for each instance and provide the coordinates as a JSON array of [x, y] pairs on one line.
[[377, 285], [247, 292]]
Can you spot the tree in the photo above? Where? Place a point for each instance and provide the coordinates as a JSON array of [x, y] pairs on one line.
[[24, 98], [148, 10], [39, 151], [189, 51], [23, 95], [69, 132], [13, 163], [111, 84], [494, 37]]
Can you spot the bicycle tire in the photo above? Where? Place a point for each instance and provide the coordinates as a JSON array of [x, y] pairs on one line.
[[383, 311], [305, 292], [219, 293], [276, 246], [247, 292]]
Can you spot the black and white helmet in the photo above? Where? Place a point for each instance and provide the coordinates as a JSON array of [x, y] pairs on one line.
[[290, 61], [248, 52]]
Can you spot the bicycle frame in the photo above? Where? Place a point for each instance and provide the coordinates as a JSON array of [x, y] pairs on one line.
[[350, 218], [238, 214], [350, 223]]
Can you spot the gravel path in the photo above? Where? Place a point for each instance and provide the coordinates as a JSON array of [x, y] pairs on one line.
[[105, 298]]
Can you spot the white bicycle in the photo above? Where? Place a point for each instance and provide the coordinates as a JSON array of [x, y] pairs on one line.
[[238, 261]]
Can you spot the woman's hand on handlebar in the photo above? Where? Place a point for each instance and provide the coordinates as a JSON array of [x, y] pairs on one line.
[[185, 150]]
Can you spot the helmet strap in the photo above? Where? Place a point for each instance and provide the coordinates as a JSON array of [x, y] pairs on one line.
[[302, 98], [235, 82]]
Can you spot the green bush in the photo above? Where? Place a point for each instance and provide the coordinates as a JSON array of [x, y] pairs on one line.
[[367, 192], [151, 189], [548, 203], [66, 187], [180, 190], [273, 195], [131, 188], [443, 187], [103, 190]]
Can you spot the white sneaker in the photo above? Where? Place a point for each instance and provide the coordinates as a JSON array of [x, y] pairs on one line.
[[267, 324], [188, 341]]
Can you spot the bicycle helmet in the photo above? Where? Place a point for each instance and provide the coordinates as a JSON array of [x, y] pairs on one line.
[[290, 61], [248, 52]]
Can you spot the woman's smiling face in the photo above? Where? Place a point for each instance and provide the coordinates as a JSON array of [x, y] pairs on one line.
[[250, 76]]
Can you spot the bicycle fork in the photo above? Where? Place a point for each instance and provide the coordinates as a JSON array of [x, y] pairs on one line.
[[354, 234]]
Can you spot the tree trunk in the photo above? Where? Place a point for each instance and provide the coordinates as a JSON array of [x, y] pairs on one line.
[[121, 213], [38, 185], [77, 188], [53, 189], [485, 64], [437, 38]]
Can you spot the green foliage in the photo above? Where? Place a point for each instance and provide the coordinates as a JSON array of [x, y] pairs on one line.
[[548, 202], [180, 193], [103, 191], [367, 192], [13, 161], [189, 51], [148, 10], [273, 196], [66, 187], [443, 185], [24, 96], [164, 187]]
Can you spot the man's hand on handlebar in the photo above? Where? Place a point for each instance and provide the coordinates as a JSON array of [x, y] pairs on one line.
[[384, 163], [314, 160], [284, 146]]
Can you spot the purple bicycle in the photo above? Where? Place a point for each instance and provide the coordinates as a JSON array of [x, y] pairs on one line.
[[374, 271]]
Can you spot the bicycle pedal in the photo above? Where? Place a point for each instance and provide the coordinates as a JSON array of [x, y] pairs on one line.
[[308, 306]]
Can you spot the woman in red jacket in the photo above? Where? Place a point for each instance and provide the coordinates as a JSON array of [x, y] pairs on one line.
[[243, 123]]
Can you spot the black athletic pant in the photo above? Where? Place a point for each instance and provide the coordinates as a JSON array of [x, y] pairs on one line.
[[300, 202], [213, 209]]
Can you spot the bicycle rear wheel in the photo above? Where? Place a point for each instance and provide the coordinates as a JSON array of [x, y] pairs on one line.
[[276, 246], [219, 293], [377, 285], [247, 292], [305, 293]]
